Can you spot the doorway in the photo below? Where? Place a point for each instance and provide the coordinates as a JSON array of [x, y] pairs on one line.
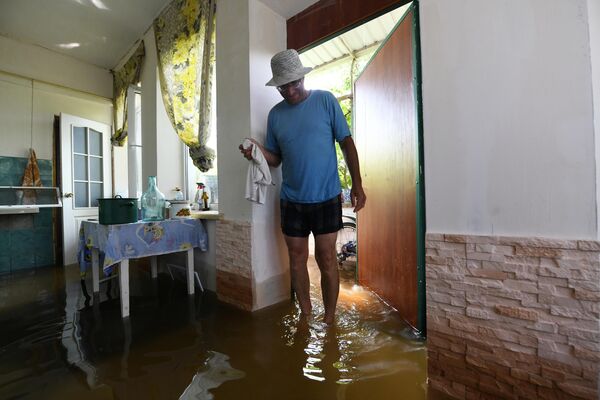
[[386, 117], [85, 176]]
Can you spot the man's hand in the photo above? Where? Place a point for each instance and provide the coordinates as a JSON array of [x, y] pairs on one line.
[[358, 197], [247, 153], [272, 159]]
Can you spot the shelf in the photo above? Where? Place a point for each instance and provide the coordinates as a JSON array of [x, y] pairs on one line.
[[19, 210], [211, 214], [28, 199]]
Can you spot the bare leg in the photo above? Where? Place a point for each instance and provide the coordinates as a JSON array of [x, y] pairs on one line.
[[298, 252], [330, 278]]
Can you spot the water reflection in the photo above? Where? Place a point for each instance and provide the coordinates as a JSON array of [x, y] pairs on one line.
[[216, 371], [57, 344], [365, 344]]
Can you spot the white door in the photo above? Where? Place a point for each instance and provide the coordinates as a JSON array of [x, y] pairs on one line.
[[85, 175]]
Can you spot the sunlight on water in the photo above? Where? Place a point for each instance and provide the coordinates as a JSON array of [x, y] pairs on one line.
[[357, 348]]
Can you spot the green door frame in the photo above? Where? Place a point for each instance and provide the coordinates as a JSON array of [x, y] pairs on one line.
[[421, 221]]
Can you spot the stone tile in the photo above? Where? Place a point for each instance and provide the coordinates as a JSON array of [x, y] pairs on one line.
[[517, 312], [5, 168], [44, 260], [433, 237], [43, 218], [547, 288], [22, 261], [4, 241], [22, 241], [43, 236], [16, 221], [580, 389], [4, 264], [495, 249]]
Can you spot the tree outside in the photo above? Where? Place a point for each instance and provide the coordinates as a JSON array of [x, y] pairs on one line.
[[338, 80]]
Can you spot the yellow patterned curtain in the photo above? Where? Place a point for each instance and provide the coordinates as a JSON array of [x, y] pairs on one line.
[[185, 41], [128, 74]]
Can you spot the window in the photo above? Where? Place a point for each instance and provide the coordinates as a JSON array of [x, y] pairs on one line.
[[88, 161]]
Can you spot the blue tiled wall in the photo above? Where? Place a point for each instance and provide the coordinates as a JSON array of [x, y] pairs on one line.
[[26, 240]]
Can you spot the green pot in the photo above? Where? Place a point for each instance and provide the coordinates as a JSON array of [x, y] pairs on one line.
[[117, 210]]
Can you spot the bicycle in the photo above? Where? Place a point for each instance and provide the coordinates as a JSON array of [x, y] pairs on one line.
[[345, 245]]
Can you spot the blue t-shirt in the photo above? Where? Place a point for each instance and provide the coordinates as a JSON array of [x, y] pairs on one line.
[[303, 136]]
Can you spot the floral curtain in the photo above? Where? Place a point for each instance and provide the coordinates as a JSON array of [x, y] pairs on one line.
[[185, 41], [128, 74]]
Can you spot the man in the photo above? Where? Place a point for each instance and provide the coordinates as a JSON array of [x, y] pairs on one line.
[[301, 131]]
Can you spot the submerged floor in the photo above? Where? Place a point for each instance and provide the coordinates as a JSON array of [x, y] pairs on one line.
[[56, 344]]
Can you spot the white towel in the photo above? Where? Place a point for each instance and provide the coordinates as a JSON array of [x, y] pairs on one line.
[[258, 177]]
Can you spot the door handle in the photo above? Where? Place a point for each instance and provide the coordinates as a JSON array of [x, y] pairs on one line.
[[68, 195]]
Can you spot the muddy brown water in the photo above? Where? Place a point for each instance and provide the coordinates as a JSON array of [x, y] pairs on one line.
[[57, 344]]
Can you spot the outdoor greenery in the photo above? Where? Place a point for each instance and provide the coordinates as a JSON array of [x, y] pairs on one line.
[[343, 171], [337, 79]]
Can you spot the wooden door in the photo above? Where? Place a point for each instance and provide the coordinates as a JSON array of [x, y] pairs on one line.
[[387, 134], [85, 175]]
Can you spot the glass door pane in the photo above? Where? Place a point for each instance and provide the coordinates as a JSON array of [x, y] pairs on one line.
[[81, 194]]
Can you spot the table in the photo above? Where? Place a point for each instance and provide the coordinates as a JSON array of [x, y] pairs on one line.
[[115, 245]]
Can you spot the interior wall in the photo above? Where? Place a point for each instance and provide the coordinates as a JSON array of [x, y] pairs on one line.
[[248, 35], [47, 66], [233, 106], [508, 119], [594, 33], [148, 79], [269, 257], [169, 153], [27, 110]]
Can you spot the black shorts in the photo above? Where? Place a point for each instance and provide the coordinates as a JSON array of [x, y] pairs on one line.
[[299, 219]]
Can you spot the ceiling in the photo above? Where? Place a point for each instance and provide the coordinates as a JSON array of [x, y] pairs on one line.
[[288, 8], [98, 32]]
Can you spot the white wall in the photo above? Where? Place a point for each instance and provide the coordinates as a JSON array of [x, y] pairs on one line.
[[169, 152], [248, 34], [233, 106], [47, 66], [16, 114], [508, 123], [148, 78], [594, 26], [269, 256]]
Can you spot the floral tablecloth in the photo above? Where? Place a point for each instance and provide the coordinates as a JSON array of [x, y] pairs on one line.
[[138, 239]]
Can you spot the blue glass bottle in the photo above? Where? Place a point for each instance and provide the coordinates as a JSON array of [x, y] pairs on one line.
[[153, 202]]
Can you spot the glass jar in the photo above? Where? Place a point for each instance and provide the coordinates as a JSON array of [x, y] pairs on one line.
[[153, 202], [177, 194]]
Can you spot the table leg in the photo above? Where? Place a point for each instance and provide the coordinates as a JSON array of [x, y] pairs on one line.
[[154, 266], [124, 287], [190, 270], [95, 270]]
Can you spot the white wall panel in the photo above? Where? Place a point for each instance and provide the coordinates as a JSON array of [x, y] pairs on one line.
[[594, 26], [269, 254], [508, 121]]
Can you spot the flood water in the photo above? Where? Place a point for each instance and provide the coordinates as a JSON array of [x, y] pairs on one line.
[[56, 344]]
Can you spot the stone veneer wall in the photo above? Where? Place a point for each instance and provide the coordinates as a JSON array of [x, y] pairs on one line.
[[234, 263], [513, 318]]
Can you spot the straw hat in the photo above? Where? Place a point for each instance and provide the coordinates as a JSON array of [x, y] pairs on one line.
[[286, 67]]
